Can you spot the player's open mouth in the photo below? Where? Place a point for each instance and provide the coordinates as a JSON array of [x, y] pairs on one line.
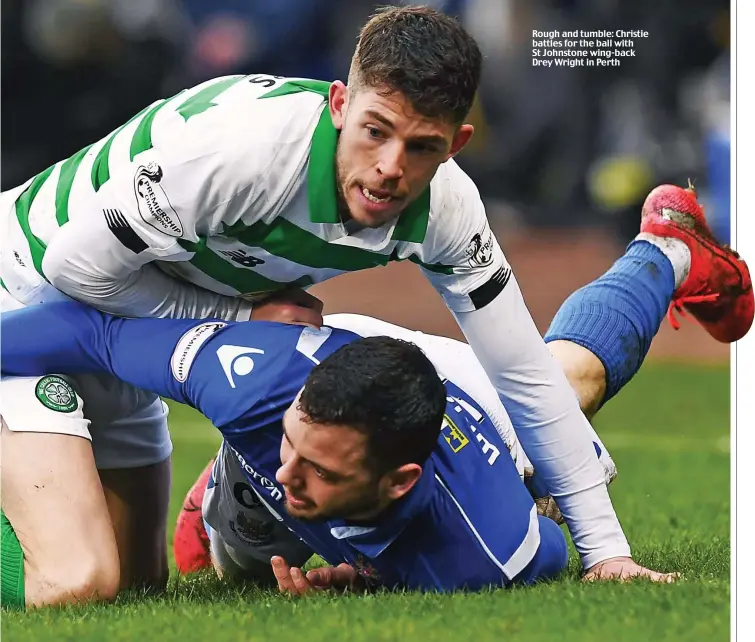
[[376, 196]]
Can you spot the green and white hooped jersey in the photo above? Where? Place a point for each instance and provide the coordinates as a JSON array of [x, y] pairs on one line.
[[230, 186]]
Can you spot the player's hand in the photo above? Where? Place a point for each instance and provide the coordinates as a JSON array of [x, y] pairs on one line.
[[289, 306], [625, 568], [344, 576], [293, 581]]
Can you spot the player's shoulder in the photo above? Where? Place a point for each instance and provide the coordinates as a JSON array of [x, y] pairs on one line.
[[456, 208], [250, 116], [457, 218], [450, 187], [248, 370]]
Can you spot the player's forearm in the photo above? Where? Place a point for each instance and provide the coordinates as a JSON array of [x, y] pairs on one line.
[[150, 292], [88, 264], [546, 416], [70, 338]]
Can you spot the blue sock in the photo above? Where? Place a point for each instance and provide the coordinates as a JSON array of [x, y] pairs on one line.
[[616, 316]]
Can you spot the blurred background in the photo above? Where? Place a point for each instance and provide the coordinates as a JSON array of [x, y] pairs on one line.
[[563, 157]]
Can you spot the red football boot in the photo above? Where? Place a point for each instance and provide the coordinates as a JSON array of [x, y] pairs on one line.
[[718, 290], [191, 545]]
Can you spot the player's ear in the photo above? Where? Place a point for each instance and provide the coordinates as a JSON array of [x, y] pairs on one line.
[[399, 481], [338, 98], [461, 138]]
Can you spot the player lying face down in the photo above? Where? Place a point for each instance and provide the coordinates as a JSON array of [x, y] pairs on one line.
[[355, 446]]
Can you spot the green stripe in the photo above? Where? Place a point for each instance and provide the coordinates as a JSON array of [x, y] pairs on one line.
[[23, 206], [101, 165], [65, 182], [202, 100], [2, 285], [288, 241], [142, 139], [413, 221], [244, 280]]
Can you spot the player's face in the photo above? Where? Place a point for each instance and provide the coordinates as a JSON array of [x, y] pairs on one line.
[[387, 152], [323, 471]]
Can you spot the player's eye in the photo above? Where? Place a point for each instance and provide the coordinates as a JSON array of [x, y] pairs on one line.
[[420, 148], [324, 475], [374, 132]]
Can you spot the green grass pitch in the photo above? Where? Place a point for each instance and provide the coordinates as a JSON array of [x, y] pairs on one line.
[[669, 434]]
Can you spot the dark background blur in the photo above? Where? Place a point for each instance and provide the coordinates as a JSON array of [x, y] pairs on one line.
[[563, 156]]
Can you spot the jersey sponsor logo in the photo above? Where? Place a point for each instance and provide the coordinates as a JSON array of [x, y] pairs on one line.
[[188, 347], [56, 393], [491, 288], [119, 226], [242, 258], [153, 203], [235, 360], [480, 251], [275, 492], [453, 435]]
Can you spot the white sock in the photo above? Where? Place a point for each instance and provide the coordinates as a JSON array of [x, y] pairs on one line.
[[675, 250]]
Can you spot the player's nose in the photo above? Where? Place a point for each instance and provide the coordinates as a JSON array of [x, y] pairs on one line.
[[391, 162], [286, 474]]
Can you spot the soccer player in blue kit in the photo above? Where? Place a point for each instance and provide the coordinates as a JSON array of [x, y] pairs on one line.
[[408, 480], [353, 444]]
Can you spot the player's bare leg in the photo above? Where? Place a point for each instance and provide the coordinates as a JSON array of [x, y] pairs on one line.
[[585, 373], [137, 501], [53, 498]]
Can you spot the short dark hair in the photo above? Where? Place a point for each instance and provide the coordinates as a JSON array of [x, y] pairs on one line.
[[385, 388], [423, 54]]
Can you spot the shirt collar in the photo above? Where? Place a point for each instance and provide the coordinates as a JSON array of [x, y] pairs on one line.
[[321, 187], [372, 540]]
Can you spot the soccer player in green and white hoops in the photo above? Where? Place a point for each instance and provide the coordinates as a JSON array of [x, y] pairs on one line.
[[205, 203]]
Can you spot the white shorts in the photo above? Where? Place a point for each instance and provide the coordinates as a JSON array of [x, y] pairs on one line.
[[128, 427]]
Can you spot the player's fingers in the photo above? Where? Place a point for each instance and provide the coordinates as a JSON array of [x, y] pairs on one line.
[[301, 584], [282, 574], [321, 577], [307, 316], [665, 578], [299, 297], [344, 575], [307, 300]]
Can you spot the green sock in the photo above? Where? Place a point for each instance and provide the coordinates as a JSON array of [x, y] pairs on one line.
[[11, 567]]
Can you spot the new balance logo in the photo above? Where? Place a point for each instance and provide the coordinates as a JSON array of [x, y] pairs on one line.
[[242, 258], [235, 360]]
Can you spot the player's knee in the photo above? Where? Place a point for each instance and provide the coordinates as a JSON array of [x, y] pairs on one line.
[[83, 579]]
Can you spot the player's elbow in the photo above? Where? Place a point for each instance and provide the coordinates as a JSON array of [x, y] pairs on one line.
[[66, 274]]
